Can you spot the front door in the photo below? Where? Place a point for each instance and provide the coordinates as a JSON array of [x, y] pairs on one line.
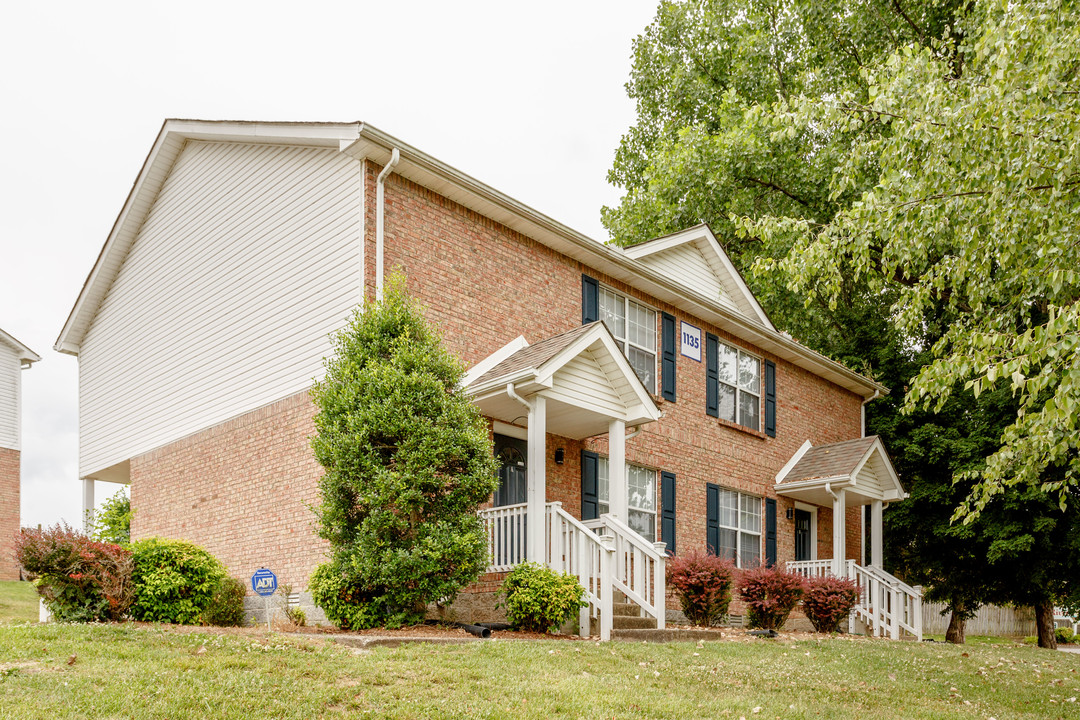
[[513, 481], [802, 535]]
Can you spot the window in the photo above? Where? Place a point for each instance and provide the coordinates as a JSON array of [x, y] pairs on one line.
[[634, 327], [738, 518], [640, 500], [739, 386]]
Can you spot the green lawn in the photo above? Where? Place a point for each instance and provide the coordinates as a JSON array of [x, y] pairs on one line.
[[107, 671], [18, 602]]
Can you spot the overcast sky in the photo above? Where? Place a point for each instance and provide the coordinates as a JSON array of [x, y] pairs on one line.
[[527, 97]]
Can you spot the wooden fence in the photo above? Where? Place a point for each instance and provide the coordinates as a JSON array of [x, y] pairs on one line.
[[990, 620]]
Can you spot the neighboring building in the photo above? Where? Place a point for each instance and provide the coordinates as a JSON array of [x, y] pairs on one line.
[[243, 245], [14, 358]]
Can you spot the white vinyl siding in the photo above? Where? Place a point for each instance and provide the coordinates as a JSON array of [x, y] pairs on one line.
[[686, 265], [10, 396], [247, 260]]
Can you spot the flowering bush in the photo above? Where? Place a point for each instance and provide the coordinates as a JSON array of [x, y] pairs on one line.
[[770, 595], [79, 580], [702, 583], [828, 602]]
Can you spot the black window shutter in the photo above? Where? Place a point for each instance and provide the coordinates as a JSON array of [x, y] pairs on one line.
[[590, 485], [590, 300], [770, 398], [770, 531], [712, 375], [667, 510], [712, 518], [667, 366]]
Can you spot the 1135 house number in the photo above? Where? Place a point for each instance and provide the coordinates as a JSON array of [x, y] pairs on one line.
[[690, 341]]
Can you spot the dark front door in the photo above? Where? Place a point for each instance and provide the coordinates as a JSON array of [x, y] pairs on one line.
[[513, 482], [802, 535]]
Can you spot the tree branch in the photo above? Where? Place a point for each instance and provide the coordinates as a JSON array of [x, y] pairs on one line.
[[774, 186]]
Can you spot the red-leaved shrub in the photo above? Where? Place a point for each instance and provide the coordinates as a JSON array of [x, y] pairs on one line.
[[703, 585], [770, 595], [78, 579], [828, 602]]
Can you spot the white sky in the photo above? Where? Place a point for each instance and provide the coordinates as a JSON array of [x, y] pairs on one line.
[[527, 97]]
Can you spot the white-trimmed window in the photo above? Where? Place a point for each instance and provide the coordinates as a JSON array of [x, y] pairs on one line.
[[739, 386], [634, 327], [640, 497], [739, 519]]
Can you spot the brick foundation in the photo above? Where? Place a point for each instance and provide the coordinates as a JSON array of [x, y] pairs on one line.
[[9, 512]]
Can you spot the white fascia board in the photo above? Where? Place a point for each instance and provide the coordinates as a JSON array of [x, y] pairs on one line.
[[431, 173], [836, 481], [793, 461], [526, 380], [493, 359], [148, 183], [601, 334], [24, 353]]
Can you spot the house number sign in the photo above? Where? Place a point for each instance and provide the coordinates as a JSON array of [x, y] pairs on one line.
[[690, 341]]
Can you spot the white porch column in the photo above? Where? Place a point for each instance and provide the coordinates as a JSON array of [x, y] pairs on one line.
[[88, 503], [839, 533], [617, 489], [537, 480], [875, 534]]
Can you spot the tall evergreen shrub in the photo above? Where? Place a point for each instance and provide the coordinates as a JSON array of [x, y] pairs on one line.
[[408, 461]]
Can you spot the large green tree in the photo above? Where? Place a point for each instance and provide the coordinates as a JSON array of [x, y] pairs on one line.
[[408, 461]]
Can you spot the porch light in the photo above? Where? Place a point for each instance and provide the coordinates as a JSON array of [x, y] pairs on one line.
[[560, 455]]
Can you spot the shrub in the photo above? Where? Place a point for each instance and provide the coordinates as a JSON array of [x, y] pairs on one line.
[[226, 607], [770, 595], [538, 599], [702, 582], [293, 614], [408, 461], [78, 579], [829, 601], [174, 581], [1064, 635], [342, 599], [112, 521]]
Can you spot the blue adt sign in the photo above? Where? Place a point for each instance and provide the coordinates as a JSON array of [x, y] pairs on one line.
[[264, 582]]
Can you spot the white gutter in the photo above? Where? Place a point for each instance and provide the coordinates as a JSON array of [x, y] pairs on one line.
[[395, 157], [862, 410], [510, 391]]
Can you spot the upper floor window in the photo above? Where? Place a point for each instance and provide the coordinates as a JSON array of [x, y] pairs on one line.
[[739, 386], [640, 497], [634, 327]]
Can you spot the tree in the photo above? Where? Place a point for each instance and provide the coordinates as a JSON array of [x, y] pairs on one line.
[[972, 206], [112, 522], [408, 460]]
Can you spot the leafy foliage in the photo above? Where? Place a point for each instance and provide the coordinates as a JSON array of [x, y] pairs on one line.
[[78, 579], [345, 603], [111, 522], [175, 581], [702, 582], [408, 461], [967, 186], [538, 599], [770, 595], [226, 606], [828, 602]]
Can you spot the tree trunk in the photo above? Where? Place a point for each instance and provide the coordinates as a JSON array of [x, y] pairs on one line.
[[1044, 624], [955, 633]]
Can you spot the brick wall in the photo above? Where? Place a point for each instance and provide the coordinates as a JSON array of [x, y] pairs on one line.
[[9, 512], [240, 489]]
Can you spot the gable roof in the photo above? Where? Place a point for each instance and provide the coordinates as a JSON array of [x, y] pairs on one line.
[[364, 142], [693, 254], [532, 357], [25, 354], [861, 466]]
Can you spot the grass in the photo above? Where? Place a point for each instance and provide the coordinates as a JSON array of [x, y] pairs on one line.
[[18, 602], [106, 671]]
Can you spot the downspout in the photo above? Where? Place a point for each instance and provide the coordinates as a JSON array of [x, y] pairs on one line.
[[632, 433], [395, 157], [875, 396], [511, 391]]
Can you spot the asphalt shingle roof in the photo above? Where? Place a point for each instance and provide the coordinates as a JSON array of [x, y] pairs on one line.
[[830, 460], [533, 356]]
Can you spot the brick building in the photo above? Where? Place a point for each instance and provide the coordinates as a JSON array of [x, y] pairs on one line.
[[14, 358], [642, 394]]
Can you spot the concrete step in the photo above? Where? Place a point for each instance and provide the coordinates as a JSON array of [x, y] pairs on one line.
[[625, 609], [663, 636], [625, 622]]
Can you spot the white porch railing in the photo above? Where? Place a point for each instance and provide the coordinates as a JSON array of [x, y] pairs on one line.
[[886, 606], [604, 554]]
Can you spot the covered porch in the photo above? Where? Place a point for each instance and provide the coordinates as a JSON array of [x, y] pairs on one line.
[[854, 473], [576, 385]]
